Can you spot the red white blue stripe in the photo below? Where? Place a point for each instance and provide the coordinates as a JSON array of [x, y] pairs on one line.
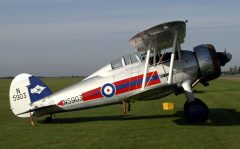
[[122, 86]]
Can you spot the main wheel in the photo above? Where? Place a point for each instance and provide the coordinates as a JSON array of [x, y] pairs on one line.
[[196, 111]]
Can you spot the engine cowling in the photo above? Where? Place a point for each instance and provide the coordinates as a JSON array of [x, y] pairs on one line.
[[210, 61]]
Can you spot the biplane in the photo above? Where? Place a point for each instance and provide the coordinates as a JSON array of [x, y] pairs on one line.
[[158, 67]]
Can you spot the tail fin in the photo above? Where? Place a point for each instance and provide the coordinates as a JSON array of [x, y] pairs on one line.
[[24, 90]]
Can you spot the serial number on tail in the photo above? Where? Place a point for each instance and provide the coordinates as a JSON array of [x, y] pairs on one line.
[[19, 96]]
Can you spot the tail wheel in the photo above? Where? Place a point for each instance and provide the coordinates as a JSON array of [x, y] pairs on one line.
[[196, 111]]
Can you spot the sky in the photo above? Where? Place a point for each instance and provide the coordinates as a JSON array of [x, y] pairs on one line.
[[77, 37]]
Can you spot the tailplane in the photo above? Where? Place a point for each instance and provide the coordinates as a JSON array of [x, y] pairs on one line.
[[26, 89]]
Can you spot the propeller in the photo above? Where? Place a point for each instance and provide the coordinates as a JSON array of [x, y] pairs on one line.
[[224, 57]]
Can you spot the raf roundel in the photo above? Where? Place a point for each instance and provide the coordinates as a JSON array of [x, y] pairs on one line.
[[108, 90]]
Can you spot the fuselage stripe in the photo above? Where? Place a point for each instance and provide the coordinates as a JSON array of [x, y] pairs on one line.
[[125, 85]]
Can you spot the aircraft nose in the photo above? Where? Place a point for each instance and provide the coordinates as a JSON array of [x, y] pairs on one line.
[[224, 57]]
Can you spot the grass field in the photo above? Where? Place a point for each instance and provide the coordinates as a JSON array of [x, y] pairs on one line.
[[146, 126]]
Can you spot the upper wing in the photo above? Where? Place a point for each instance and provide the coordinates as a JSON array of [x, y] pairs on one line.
[[161, 35]]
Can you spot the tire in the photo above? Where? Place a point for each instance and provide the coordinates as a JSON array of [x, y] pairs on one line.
[[185, 107], [196, 111]]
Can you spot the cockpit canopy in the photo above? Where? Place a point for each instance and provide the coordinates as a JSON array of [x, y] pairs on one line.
[[126, 60], [140, 57], [135, 58]]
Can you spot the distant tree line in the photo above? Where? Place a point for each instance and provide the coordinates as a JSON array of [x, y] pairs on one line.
[[232, 71]]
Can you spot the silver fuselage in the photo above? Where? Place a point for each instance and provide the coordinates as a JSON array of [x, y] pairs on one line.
[[85, 94]]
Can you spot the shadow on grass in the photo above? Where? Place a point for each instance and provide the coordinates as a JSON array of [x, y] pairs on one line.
[[218, 117], [208, 91]]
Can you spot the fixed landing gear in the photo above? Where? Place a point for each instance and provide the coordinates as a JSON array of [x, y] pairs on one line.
[[196, 111]]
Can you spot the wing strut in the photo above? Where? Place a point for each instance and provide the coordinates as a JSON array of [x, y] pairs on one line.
[[172, 57], [145, 69], [146, 65]]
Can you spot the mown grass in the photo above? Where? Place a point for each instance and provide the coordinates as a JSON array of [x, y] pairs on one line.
[[146, 126]]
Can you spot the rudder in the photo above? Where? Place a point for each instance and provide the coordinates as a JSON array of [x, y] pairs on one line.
[[24, 90]]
